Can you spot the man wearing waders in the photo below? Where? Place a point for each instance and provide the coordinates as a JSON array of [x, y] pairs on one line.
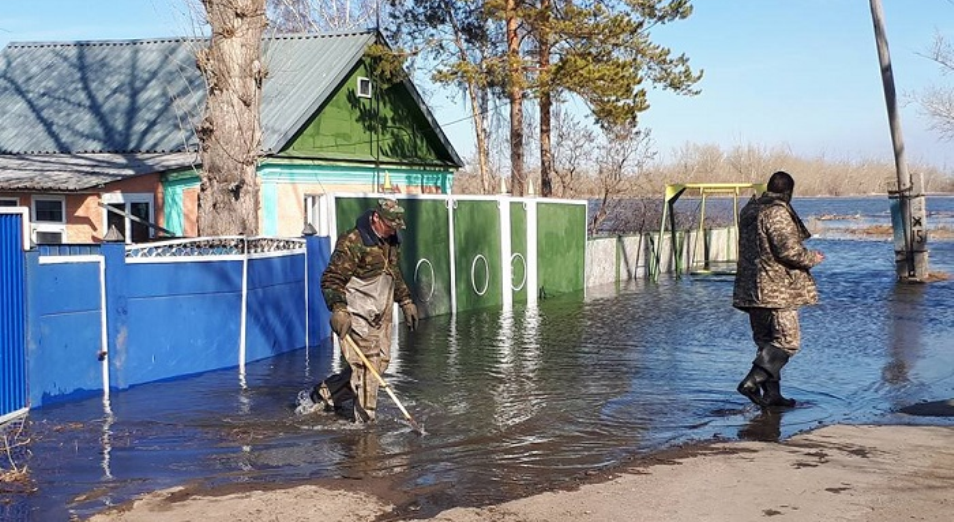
[[772, 281], [362, 281]]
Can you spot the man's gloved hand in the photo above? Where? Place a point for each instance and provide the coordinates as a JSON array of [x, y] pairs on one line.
[[341, 322], [410, 315]]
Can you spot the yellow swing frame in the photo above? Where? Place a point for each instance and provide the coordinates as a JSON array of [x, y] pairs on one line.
[[703, 190]]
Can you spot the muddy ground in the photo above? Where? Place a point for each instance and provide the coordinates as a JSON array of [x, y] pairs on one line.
[[870, 473]]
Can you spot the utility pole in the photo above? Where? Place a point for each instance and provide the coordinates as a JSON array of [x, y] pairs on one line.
[[909, 218]]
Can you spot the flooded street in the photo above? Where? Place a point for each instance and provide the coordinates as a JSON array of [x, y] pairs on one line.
[[515, 402]]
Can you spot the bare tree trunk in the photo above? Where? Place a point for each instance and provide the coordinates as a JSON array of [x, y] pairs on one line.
[[478, 105], [480, 130], [546, 103], [230, 132], [515, 93]]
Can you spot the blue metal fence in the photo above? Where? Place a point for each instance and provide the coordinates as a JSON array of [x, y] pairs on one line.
[[111, 316], [13, 387]]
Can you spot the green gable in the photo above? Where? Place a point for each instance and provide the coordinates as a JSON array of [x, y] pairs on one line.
[[387, 127]]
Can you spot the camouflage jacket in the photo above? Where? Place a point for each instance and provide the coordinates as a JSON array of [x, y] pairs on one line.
[[773, 266], [360, 253]]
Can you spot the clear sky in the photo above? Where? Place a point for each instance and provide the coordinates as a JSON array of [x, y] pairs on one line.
[[801, 73]]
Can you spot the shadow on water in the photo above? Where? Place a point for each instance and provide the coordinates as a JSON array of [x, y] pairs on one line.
[[515, 402]]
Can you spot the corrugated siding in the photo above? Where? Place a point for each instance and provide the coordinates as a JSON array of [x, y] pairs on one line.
[[12, 323], [140, 96]]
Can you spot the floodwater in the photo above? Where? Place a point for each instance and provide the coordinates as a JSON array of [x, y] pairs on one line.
[[514, 402]]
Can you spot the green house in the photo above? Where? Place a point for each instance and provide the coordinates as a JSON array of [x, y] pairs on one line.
[[98, 124]]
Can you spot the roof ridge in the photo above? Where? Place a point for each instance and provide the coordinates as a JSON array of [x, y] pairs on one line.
[[106, 42], [116, 42]]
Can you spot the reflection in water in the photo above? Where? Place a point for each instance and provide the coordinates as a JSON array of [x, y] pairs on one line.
[[766, 426], [106, 439], [514, 401], [905, 325]]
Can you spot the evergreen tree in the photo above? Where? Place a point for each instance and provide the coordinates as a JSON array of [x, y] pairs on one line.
[[601, 51]]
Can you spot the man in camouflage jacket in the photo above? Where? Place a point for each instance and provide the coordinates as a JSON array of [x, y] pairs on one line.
[[362, 281], [772, 281]]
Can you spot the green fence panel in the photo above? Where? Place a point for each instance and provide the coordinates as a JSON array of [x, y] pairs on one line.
[[477, 254], [518, 249], [425, 254], [425, 247], [561, 250], [475, 273]]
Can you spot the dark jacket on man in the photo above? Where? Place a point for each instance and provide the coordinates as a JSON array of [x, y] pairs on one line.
[[361, 253], [773, 266]]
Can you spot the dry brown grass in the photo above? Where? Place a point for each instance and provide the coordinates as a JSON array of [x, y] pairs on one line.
[[14, 449]]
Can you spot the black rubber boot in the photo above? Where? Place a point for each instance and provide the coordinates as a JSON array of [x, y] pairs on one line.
[[772, 395], [751, 384], [772, 360]]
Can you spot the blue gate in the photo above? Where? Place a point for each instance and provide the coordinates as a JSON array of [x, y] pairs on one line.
[[13, 390]]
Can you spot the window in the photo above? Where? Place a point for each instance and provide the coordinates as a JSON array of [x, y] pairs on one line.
[[364, 87], [139, 208], [49, 219], [48, 211], [9, 202]]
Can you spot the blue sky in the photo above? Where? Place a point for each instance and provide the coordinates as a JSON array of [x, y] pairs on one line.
[[777, 72]]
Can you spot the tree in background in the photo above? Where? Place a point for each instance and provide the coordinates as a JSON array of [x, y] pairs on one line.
[[230, 133], [573, 155], [623, 156], [602, 53], [455, 39], [937, 100], [310, 16], [544, 50]]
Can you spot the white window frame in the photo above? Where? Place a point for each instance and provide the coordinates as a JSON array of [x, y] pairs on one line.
[[316, 212], [16, 201], [52, 227], [363, 80], [125, 199]]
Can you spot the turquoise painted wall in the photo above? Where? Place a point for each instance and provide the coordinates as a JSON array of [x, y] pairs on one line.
[[438, 180]]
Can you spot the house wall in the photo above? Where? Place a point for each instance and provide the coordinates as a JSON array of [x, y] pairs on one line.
[[284, 186], [190, 212], [85, 218]]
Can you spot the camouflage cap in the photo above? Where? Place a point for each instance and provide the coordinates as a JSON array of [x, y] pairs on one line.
[[391, 212]]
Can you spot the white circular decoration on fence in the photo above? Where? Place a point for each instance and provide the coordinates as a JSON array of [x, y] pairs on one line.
[[515, 256], [473, 270], [417, 270]]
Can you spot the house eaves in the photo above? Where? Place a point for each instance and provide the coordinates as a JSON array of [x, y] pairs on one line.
[[78, 172]]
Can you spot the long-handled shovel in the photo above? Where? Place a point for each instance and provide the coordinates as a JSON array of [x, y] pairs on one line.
[[384, 384]]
